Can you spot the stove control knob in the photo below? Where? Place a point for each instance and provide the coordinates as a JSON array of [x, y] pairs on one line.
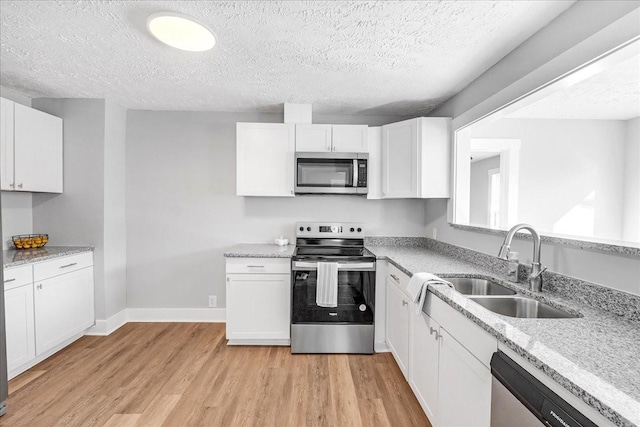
[[352, 229], [308, 228], [301, 228], [362, 307], [359, 230]]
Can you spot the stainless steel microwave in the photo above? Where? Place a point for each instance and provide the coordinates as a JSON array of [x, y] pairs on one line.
[[332, 173]]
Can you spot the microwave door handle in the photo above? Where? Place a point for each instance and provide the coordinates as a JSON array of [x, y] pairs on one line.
[[355, 173]]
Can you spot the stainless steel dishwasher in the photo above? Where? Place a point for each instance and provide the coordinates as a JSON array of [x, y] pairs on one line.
[[519, 399]]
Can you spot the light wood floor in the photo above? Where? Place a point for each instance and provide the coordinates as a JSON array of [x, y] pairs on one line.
[[184, 374]]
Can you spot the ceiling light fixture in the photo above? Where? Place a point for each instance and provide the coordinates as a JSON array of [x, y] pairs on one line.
[[180, 31]]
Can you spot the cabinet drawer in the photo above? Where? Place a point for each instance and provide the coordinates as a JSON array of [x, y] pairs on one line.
[[399, 278], [259, 265], [475, 339], [17, 276], [62, 265]]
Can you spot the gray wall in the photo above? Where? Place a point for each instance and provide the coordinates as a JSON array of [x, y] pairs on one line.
[[91, 211], [182, 211], [596, 27], [115, 233], [479, 191]]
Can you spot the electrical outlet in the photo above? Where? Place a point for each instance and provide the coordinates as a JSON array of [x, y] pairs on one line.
[[213, 301], [434, 233]]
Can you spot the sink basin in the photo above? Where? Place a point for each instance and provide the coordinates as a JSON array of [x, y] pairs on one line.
[[522, 308], [470, 286]]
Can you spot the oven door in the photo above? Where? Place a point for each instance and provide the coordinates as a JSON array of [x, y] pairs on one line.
[[331, 173], [356, 294]]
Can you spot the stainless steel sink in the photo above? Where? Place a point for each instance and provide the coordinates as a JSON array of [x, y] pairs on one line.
[[521, 307], [470, 286]]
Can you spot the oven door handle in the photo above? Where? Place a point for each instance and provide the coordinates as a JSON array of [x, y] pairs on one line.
[[345, 266]]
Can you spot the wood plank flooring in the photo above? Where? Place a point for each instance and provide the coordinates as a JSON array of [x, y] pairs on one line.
[[184, 374]]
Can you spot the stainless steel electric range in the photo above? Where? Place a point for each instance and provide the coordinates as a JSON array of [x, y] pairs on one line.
[[349, 326]]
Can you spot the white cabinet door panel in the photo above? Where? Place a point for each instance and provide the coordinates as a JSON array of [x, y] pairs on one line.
[[464, 398], [398, 325], [265, 159], [6, 144], [313, 138], [64, 307], [258, 306], [423, 377], [400, 160], [350, 138], [38, 150], [19, 326]]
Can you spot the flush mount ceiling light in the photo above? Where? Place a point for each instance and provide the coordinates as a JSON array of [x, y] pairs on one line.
[[180, 31]]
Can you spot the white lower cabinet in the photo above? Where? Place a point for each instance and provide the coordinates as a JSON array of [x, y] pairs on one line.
[[258, 301], [424, 356], [20, 331], [47, 305], [464, 386], [398, 325], [64, 307]]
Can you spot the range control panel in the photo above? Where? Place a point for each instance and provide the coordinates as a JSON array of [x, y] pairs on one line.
[[343, 230]]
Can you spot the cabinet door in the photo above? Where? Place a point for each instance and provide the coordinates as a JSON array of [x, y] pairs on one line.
[[265, 159], [400, 160], [6, 144], [38, 150], [398, 325], [464, 387], [258, 306], [63, 308], [313, 138], [18, 304], [424, 360], [350, 138]]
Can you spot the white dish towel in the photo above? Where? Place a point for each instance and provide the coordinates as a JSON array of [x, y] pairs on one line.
[[417, 287], [327, 286]]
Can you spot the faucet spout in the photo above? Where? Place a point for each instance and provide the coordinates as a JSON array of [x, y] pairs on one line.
[[535, 279]]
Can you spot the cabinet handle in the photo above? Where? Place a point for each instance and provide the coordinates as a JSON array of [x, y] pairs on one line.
[[9, 280], [394, 277], [255, 266], [432, 330], [39, 286], [404, 303], [20, 185], [12, 185], [68, 265]]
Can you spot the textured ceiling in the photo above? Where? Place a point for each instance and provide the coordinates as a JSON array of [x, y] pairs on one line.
[[358, 57], [613, 94]]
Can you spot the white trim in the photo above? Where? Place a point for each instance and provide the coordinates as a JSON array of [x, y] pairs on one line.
[[110, 325], [213, 315], [381, 347], [260, 342]]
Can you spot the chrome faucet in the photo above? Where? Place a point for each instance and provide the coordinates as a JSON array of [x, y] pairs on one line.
[[535, 278]]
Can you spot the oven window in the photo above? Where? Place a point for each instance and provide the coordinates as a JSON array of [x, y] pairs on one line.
[[325, 173], [356, 298]]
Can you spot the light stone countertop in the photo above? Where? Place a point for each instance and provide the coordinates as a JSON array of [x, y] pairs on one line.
[[251, 250], [595, 357], [15, 258]]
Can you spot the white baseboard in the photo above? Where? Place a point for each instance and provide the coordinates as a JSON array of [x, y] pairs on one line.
[[106, 327], [212, 315], [381, 347], [209, 315]]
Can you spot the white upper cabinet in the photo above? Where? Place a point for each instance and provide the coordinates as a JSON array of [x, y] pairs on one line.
[[6, 143], [313, 138], [31, 149], [350, 138], [416, 158], [265, 159], [337, 138]]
